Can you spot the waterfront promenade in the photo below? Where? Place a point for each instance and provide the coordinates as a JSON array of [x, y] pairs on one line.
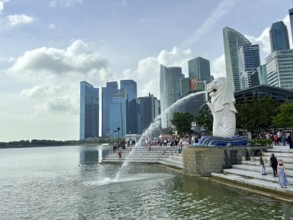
[[245, 175]]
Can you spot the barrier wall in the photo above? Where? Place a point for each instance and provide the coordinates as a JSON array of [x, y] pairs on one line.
[[202, 161]]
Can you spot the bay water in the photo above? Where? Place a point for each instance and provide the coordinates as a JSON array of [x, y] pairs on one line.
[[68, 182]]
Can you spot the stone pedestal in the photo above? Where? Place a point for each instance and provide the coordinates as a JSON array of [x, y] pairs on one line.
[[202, 161]]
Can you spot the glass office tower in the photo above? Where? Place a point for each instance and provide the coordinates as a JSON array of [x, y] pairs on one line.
[[249, 60], [169, 90], [89, 111], [279, 36], [107, 94], [199, 69], [232, 40]]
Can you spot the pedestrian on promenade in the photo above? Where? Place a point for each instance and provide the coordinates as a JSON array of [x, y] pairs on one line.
[[276, 140], [262, 165], [289, 141], [282, 175], [120, 155], [274, 164]]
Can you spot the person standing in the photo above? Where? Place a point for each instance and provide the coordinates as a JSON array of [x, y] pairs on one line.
[[282, 175], [274, 164], [262, 165], [289, 141]]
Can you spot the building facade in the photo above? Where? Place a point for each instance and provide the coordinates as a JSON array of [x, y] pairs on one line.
[[130, 88], [89, 111], [170, 91], [279, 36], [118, 114], [248, 61], [199, 69], [279, 66], [232, 40], [107, 93]]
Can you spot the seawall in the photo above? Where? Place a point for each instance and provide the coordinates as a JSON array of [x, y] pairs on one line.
[[202, 161]]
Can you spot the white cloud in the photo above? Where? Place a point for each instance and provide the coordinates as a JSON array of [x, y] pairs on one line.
[[51, 61], [54, 3], [212, 19], [147, 73], [41, 91], [218, 68], [2, 4], [16, 20]]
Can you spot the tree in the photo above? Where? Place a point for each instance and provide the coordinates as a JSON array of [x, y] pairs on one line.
[[204, 119], [182, 122], [256, 115], [284, 118]]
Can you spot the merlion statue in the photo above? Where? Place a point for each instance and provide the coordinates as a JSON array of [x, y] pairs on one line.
[[221, 91]]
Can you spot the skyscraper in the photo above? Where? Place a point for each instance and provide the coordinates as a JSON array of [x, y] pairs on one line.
[[232, 40], [199, 69], [291, 21], [279, 36], [89, 111], [130, 88], [148, 109], [249, 60], [279, 65], [107, 94], [118, 114], [169, 90]]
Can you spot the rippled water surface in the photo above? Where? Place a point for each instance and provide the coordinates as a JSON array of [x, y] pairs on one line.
[[68, 183]]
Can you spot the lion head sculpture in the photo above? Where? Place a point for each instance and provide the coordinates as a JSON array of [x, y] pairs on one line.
[[221, 91]]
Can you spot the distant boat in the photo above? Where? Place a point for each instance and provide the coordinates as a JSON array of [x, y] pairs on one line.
[[105, 144]]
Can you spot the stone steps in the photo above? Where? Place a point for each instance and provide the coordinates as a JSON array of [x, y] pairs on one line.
[[157, 154], [249, 172]]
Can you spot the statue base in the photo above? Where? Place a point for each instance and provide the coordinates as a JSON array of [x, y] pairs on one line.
[[236, 140]]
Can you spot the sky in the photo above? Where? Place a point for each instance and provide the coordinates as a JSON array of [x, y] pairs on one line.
[[48, 46]]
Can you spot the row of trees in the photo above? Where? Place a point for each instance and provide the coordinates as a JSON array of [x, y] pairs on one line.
[[254, 116]]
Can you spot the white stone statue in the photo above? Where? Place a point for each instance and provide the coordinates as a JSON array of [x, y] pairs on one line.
[[221, 91]]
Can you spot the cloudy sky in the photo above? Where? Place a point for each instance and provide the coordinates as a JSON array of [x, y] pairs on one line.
[[48, 46]]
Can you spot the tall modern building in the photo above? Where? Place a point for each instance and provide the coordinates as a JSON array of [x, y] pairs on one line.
[[291, 21], [259, 76], [279, 66], [118, 110], [148, 108], [89, 111], [199, 69], [107, 93], [130, 88], [232, 40], [279, 36], [169, 90], [248, 60]]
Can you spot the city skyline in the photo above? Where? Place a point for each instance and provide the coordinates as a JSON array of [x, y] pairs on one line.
[[47, 49]]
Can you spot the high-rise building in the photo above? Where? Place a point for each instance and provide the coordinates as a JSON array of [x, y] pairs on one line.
[[130, 88], [148, 108], [169, 90], [89, 111], [248, 60], [259, 76], [279, 65], [232, 40], [107, 93], [199, 69], [279, 36], [291, 21], [184, 85], [118, 116]]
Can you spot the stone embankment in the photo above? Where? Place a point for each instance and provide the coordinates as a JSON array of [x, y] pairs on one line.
[[245, 175], [161, 155], [248, 174]]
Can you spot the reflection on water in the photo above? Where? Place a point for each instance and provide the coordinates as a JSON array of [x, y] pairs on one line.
[[55, 183], [93, 154]]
